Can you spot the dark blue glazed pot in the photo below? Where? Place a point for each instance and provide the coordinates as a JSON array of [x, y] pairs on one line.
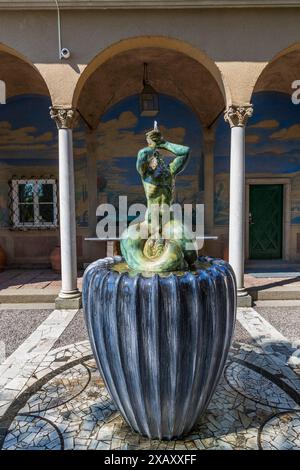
[[160, 342]]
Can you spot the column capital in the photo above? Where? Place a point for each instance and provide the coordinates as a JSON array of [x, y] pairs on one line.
[[237, 116], [65, 118]]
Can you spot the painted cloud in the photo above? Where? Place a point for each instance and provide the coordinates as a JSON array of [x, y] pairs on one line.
[[266, 124], [118, 137], [288, 133], [14, 139]]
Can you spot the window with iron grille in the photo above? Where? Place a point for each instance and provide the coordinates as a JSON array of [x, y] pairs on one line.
[[34, 203]]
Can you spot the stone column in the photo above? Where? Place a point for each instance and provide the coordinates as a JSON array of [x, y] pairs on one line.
[[69, 296], [237, 117]]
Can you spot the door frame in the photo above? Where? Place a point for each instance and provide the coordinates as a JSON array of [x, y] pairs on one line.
[[286, 208]]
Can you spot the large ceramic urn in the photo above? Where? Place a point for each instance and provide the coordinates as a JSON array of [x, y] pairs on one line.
[[160, 340]]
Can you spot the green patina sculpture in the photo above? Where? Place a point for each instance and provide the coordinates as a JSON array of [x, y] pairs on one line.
[[169, 246]]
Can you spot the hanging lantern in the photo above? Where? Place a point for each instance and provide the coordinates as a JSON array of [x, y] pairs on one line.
[[148, 98]]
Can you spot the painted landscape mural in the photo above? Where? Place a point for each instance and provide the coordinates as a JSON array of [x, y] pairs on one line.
[[272, 148], [121, 133], [29, 148], [28, 144]]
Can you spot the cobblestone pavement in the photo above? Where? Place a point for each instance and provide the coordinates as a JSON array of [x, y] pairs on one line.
[[52, 395]]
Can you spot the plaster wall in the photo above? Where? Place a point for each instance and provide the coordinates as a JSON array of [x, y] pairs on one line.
[[240, 41]]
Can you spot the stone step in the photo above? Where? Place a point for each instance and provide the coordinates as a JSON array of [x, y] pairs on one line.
[[276, 293], [14, 296]]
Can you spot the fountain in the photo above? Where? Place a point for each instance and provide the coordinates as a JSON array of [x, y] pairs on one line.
[[160, 319]]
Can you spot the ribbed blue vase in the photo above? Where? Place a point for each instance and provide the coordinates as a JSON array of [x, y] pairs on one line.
[[160, 342]]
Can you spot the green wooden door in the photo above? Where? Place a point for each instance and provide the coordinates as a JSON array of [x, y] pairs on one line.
[[265, 221]]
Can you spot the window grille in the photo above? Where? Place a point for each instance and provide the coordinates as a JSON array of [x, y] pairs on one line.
[[33, 203]]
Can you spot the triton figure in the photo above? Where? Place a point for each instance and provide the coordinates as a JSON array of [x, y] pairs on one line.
[[165, 248]]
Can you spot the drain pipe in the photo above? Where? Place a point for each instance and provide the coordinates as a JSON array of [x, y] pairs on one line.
[[63, 52], [58, 29]]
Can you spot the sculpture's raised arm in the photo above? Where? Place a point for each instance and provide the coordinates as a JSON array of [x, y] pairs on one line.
[[182, 155], [142, 160], [156, 140]]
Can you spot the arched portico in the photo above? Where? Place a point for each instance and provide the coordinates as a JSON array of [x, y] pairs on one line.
[[175, 69], [276, 125], [19, 74], [186, 73], [269, 160], [28, 155], [163, 43]]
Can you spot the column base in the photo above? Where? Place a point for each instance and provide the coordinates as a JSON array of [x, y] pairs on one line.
[[243, 298], [68, 300]]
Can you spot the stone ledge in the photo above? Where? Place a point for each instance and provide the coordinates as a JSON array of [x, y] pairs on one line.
[[244, 301], [276, 293], [68, 303], [15, 296]]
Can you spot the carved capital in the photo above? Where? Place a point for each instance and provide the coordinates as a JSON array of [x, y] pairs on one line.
[[65, 118], [237, 116]]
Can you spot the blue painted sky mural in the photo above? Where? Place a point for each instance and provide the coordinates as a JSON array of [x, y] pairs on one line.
[[27, 133], [121, 133], [272, 147], [29, 147], [28, 144]]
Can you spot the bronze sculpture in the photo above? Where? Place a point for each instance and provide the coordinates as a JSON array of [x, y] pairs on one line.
[[166, 248]]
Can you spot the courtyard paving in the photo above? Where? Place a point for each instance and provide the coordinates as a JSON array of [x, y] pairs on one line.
[[53, 397]]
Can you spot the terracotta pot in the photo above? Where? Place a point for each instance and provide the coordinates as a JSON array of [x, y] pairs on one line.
[[55, 259], [3, 259]]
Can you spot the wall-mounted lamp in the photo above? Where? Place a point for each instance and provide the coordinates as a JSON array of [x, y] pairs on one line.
[[149, 104]]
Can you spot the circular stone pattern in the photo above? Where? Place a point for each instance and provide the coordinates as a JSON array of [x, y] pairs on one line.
[[281, 432], [90, 421], [257, 387], [60, 389], [32, 433]]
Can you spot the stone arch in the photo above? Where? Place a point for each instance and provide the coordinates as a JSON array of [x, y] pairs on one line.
[[19, 74], [279, 73], [130, 49]]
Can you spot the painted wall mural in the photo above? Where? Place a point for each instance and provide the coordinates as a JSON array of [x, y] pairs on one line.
[[28, 144], [81, 175], [121, 133], [81, 187], [29, 147], [272, 148]]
